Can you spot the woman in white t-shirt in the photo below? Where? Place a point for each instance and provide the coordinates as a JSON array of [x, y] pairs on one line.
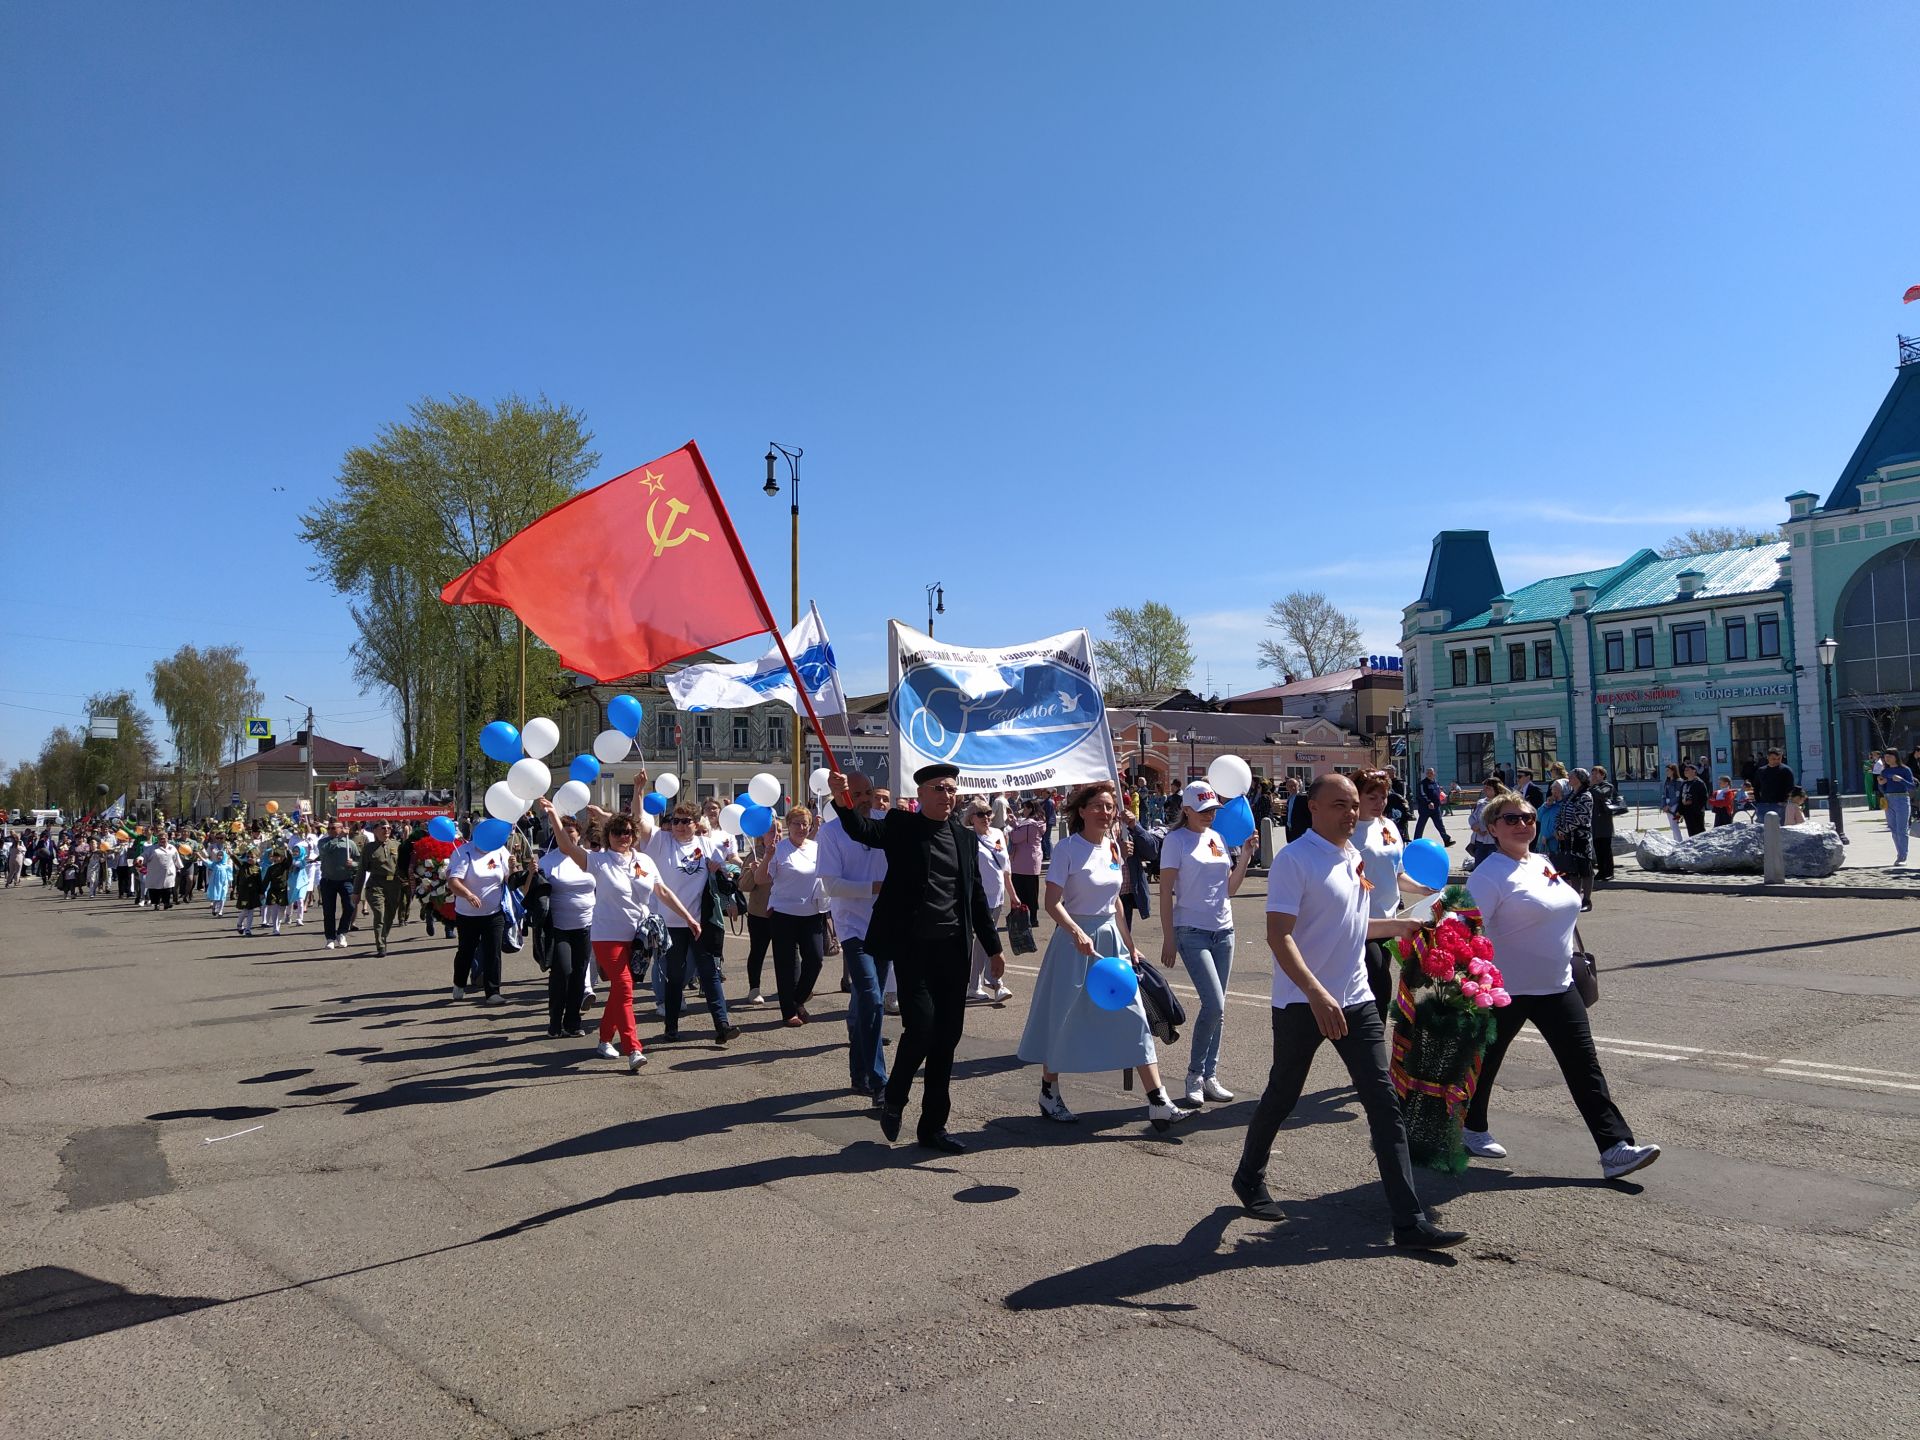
[[478, 879], [1529, 911], [685, 859], [996, 869], [797, 914], [569, 928], [1066, 1032], [1198, 878], [1381, 845]]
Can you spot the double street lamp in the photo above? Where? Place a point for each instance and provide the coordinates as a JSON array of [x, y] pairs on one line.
[[1828, 649], [936, 603]]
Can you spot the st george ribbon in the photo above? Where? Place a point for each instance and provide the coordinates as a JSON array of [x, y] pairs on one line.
[[1019, 717]]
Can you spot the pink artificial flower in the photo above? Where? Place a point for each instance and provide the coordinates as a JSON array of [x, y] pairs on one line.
[[1501, 999], [1477, 968], [1492, 976], [1469, 988], [1484, 1000]]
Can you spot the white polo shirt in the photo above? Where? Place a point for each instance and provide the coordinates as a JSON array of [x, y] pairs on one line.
[[1320, 887], [847, 872], [1528, 912], [482, 871]]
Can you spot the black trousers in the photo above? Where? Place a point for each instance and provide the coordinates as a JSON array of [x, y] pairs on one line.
[[1382, 977], [799, 946], [932, 985], [161, 896], [568, 952], [759, 939], [1439, 823], [1695, 819], [477, 955], [1296, 1036], [1602, 855], [1562, 1021], [1027, 889]]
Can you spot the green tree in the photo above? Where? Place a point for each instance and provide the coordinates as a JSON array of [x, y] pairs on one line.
[[1149, 650], [1704, 538], [205, 695], [1315, 635], [23, 789], [427, 499], [121, 765]]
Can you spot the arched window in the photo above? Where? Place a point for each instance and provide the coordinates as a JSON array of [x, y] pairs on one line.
[[1880, 625]]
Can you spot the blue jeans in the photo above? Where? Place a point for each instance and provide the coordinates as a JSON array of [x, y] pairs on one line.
[[1208, 956], [1899, 819], [1763, 807], [681, 952], [866, 1056]]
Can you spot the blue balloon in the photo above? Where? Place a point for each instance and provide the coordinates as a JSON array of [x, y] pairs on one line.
[[1233, 823], [745, 801], [756, 820], [585, 769], [623, 714], [1425, 863], [491, 834], [500, 741], [655, 803], [441, 827], [1111, 983]]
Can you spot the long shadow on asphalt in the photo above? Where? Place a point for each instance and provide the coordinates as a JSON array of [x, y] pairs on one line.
[[1748, 951], [50, 1305]]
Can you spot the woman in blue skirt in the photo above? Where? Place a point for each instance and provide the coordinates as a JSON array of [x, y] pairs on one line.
[[1066, 1032]]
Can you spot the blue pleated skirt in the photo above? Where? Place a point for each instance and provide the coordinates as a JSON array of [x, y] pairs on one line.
[[1066, 1032]]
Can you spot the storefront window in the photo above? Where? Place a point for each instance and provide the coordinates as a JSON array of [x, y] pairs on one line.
[[1472, 757], [1535, 750], [1753, 736], [1636, 751]]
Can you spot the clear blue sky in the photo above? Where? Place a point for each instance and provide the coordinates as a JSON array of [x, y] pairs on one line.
[[1071, 305]]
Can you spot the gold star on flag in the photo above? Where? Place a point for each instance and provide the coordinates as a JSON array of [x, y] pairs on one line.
[[652, 481]]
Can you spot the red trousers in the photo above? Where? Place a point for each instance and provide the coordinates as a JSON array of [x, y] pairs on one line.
[[616, 1016]]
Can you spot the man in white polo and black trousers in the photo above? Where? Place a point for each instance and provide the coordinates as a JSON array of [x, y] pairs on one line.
[[1318, 926], [929, 910]]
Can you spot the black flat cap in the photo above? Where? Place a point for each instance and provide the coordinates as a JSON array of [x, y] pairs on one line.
[[935, 772]]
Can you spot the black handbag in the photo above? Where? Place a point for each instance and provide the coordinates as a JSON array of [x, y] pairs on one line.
[[1020, 931], [1586, 972]]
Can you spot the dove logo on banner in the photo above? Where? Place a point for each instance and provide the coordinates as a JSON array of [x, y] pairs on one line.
[[1022, 717], [743, 686]]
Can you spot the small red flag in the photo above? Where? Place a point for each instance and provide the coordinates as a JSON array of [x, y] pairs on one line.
[[636, 572], [1913, 294]]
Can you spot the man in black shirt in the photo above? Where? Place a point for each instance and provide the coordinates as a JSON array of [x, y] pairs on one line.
[[929, 910], [1693, 800], [1772, 783]]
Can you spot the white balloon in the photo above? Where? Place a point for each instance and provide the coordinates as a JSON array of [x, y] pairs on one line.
[[503, 804], [610, 747], [571, 797], [764, 789], [539, 736], [667, 786], [1230, 776], [819, 783], [730, 818], [529, 779]]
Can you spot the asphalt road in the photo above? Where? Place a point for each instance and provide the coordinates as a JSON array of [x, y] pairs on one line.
[[253, 1187]]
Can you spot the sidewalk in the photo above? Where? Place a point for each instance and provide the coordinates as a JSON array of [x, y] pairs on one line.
[[1867, 872]]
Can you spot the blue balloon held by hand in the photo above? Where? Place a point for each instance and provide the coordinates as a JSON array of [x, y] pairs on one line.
[[585, 769], [441, 827], [655, 803], [1425, 863], [1233, 823], [500, 741], [491, 834], [756, 820], [623, 714], [1111, 983]]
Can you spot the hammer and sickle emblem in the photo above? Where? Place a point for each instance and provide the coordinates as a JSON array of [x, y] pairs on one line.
[[665, 538]]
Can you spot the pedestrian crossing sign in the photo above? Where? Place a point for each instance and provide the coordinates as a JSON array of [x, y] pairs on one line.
[[259, 727]]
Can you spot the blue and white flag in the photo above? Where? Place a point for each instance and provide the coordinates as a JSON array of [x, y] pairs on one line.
[[741, 687], [1022, 717], [115, 811]]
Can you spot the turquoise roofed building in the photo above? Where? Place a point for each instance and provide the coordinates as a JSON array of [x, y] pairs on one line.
[[1720, 656]]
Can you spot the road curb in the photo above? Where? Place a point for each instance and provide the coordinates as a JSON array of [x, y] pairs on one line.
[[1795, 892]]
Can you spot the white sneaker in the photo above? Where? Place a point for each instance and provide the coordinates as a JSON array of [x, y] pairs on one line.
[[980, 992], [635, 1061], [459, 992], [1482, 1143], [1196, 1092], [495, 999], [331, 944], [1001, 993], [608, 1050], [756, 998], [1215, 1090], [1054, 1108], [1624, 1159]]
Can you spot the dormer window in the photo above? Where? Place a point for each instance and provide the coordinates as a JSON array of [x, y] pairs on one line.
[[1583, 597], [1500, 608], [1690, 581]]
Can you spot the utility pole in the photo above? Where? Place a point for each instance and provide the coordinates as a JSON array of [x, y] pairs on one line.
[[306, 752]]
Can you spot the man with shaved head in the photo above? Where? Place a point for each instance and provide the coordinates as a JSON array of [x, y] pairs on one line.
[[1318, 925]]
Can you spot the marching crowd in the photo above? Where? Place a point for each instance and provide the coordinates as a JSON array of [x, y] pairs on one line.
[[916, 900]]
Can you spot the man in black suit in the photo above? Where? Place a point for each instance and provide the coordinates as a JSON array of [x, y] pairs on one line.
[[1294, 813], [929, 910]]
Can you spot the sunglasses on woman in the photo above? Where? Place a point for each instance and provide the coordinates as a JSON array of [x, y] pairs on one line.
[[1518, 820]]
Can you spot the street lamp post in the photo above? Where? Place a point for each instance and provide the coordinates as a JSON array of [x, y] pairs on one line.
[[936, 603], [772, 487], [306, 750], [1141, 777], [1828, 649], [1192, 737]]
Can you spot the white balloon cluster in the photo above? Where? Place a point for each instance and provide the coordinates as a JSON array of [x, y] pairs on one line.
[[528, 777]]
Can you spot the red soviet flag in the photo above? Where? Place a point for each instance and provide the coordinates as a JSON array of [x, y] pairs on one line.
[[1913, 294], [636, 572]]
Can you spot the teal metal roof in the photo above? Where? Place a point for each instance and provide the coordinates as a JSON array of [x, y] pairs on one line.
[[1543, 600], [1745, 571], [1893, 434]]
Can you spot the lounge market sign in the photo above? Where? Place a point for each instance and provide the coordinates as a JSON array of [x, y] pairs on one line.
[[1694, 697]]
